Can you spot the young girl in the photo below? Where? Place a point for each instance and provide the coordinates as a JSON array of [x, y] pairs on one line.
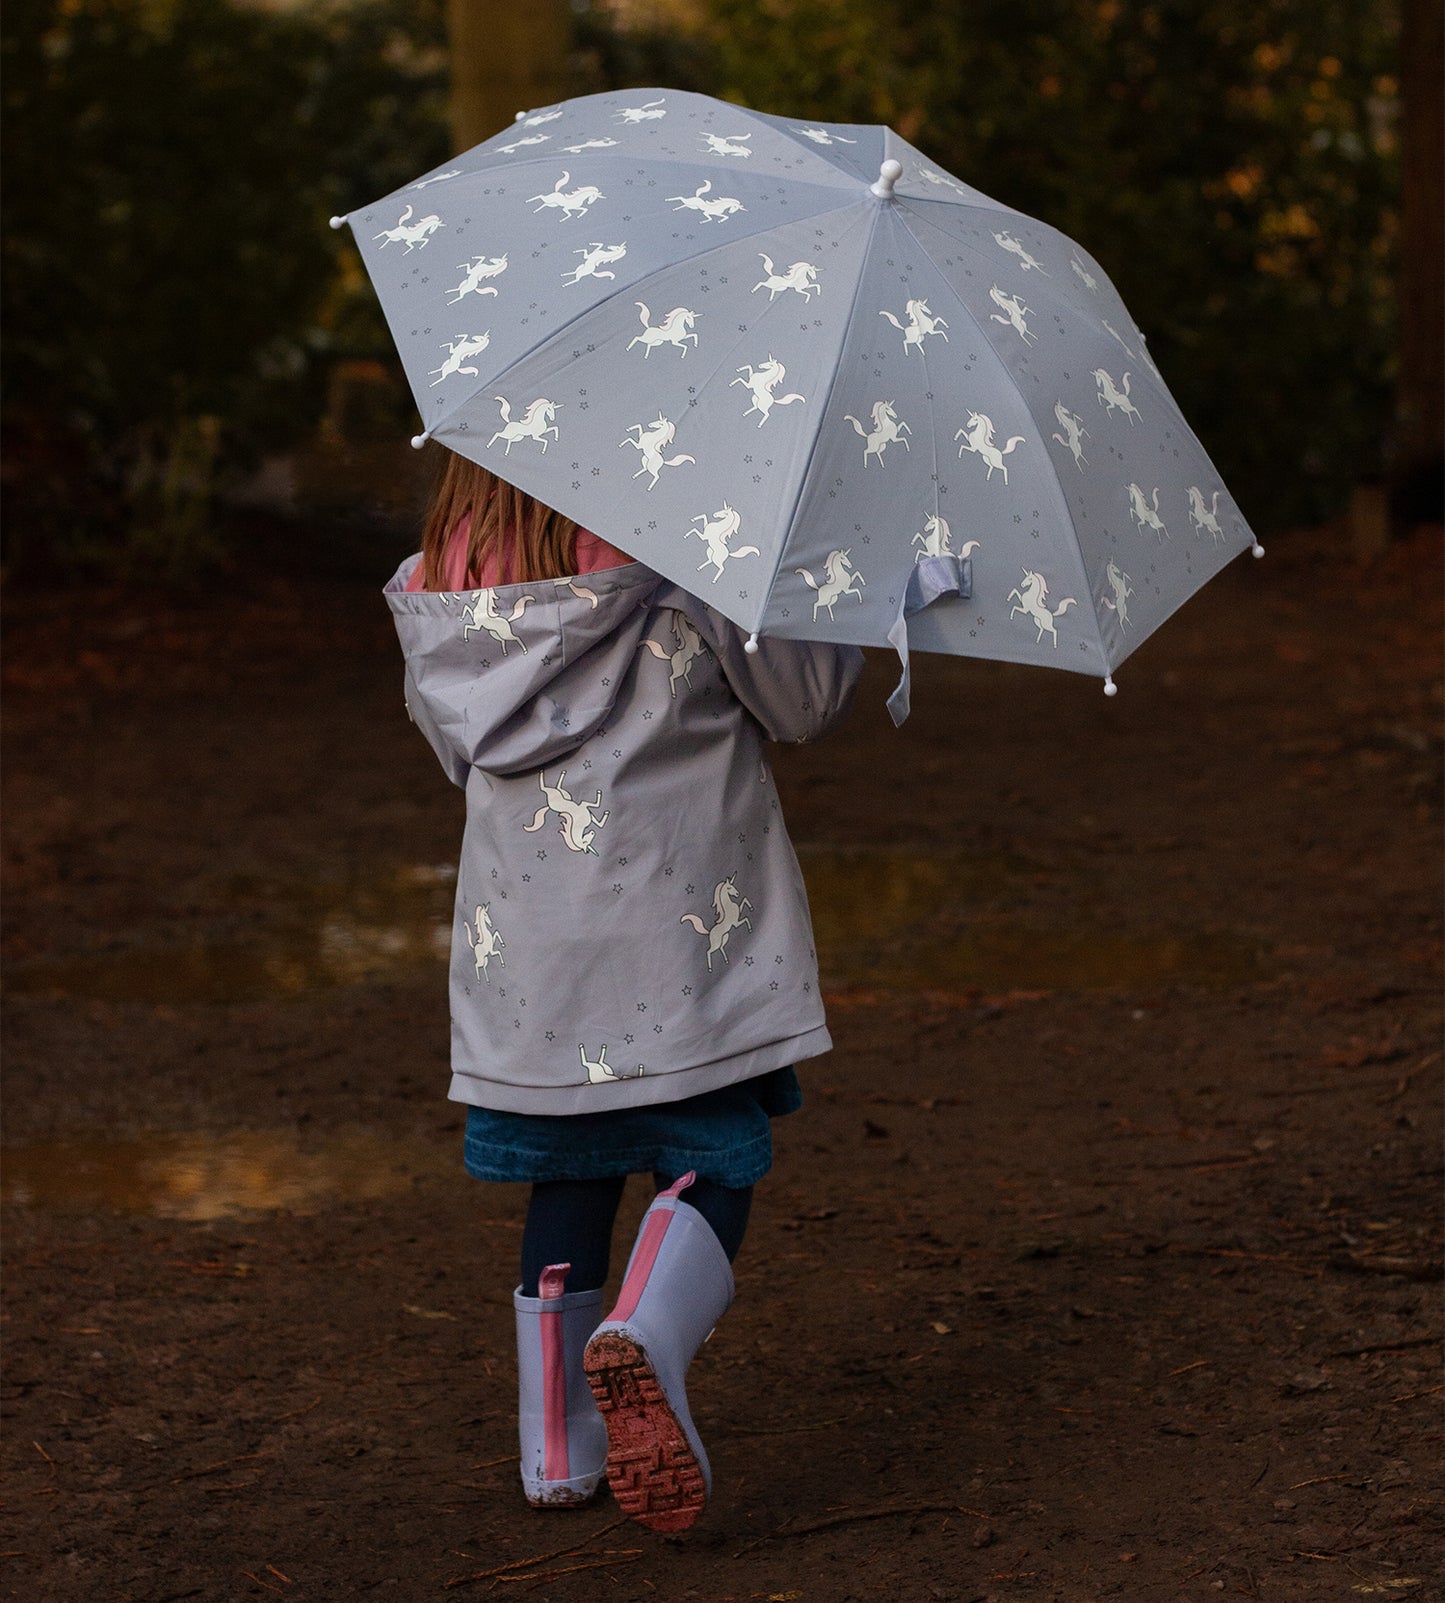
[[633, 973]]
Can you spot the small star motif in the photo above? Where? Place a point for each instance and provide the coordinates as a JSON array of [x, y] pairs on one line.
[[646, 714], [748, 961], [657, 1029], [617, 751], [586, 763], [628, 1039], [778, 958], [687, 990], [642, 1007], [541, 857], [772, 985], [551, 1036], [526, 879], [689, 889], [617, 890]]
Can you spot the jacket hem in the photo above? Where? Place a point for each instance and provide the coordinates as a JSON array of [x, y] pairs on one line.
[[641, 1090]]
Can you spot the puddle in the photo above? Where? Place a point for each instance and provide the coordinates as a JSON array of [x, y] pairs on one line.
[[906, 920], [898, 919], [320, 934], [213, 1176]]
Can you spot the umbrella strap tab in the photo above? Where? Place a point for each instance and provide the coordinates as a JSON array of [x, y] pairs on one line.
[[931, 578]]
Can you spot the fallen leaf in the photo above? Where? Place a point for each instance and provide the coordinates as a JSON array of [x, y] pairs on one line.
[[426, 1313]]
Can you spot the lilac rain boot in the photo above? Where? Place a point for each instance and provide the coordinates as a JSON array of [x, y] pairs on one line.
[[564, 1442], [678, 1285]]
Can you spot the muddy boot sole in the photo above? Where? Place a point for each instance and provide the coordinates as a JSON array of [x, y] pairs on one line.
[[651, 1467]]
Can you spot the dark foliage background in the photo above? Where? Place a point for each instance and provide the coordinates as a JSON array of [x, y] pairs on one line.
[[175, 302]]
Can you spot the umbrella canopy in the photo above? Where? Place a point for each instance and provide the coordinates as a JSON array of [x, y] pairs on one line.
[[806, 374]]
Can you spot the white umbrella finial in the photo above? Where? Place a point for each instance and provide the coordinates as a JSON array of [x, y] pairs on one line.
[[338, 222], [888, 175]]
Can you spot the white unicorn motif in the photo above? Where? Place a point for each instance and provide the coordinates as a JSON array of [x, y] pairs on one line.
[[652, 439], [1204, 517], [1006, 241], [934, 540], [728, 906], [536, 423], [821, 136], [458, 350], [591, 144], [689, 649], [1119, 601], [598, 1069], [727, 144], [646, 112], [482, 614], [921, 323], [412, 235], [1033, 602], [1145, 513], [436, 178], [486, 943], [886, 429], [539, 117], [940, 179], [580, 820], [715, 534], [839, 577], [1074, 431], [715, 210], [481, 268], [1090, 281], [1013, 309], [1112, 398], [801, 276], [978, 437], [516, 144], [760, 383], [573, 204], [594, 259], [674, 329]]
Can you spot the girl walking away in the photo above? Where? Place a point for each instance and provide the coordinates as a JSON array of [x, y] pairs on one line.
[[633, 975]]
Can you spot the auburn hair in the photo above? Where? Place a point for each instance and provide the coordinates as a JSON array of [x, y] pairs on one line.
[[529, 540]]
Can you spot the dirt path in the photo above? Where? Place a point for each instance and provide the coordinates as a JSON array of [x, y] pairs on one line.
[[1103, 1262]]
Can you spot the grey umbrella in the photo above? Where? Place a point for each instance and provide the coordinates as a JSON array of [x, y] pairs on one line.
[[794, 366]]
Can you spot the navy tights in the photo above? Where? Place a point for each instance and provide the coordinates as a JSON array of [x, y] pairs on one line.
[[570, 1221]]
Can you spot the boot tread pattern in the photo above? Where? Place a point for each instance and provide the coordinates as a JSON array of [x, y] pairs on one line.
[[651, 1467]]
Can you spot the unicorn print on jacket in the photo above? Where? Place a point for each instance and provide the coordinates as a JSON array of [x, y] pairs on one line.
[[689, 649], [728, 906], [580, 821], [485, 942], [481, 616]]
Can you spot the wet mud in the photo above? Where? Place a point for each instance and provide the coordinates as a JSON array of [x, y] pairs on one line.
[[1103, 1261]]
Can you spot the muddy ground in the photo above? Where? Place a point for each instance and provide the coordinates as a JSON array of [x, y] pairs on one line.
[[1102, 1262]]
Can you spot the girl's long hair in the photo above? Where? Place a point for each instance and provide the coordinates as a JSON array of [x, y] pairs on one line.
[[529, 539]]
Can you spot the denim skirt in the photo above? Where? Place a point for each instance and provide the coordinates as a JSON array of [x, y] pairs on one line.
[[724, 1135]]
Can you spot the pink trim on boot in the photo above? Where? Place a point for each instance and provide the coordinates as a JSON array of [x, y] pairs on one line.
[[550, 1284], [648, 1246]]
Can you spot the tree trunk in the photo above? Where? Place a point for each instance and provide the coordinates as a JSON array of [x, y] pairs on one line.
[[505, 58], [1420, 399]]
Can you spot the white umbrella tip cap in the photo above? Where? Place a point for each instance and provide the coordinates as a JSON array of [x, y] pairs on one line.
[[750, 645], [1256, 550], [888, 175], [419, 440], [1110, 688], [338, 222]]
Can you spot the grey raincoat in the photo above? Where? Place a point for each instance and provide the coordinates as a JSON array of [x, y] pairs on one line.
[[631, 924]]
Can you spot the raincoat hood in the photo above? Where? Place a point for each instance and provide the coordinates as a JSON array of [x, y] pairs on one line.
[[542, 701]]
